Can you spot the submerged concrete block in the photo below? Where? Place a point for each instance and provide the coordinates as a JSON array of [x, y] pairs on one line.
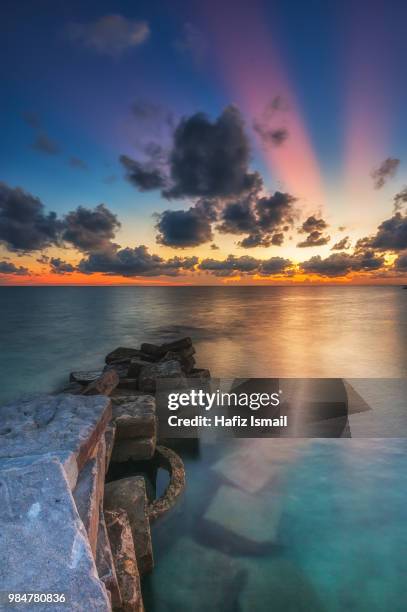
[[43, 544], [139, 449], [134, 416]]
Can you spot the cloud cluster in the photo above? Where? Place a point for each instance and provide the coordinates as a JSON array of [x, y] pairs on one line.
[[110, 35], [314, 227], [340, 264], [384, 172], [90, 230], [232, 266], [146, 176], [342, 244], [58, 266], [187, 228], [6, 267], [391, 235], [272, 134], [135, 261]]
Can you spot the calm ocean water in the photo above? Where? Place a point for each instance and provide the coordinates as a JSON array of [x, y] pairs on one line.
[[322, 527]]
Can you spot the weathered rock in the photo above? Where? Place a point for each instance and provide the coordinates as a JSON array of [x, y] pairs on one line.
[[122, 546], [121, 368], [88, 493], [251, 518], [85, 377], [129, 383], [110, 435], [149, 375], [122, 354], [177, 345], [104, 562], [134, 416], [43, 544], [170, 461], [130, 495], [54, 424], [139, 449], [187, 362], [152, 349], [136, 365], [103, 385]]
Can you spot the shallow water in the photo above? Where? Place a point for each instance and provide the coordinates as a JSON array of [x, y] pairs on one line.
[[322, 528]]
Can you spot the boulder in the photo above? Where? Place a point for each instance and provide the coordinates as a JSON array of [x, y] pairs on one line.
[[104, 562], [85, 377], [129, 494], [121, 354], [152, 349], [124, 557], [121, 368], [187, 362], [128, 383], [136, 365], [110, 435], [62, 423], [43, 544], [88, 493], [139, 449], [177, 345], [149, 375], [134, 416], [103, 385]]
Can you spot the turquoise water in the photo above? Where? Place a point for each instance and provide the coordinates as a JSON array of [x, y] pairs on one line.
[[265, 525]]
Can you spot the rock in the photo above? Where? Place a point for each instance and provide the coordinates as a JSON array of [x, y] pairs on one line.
[[152, 349], [134, 416], [88, 493], [43, 544], [139, 449], [54, 424], [110, 435], [170, 461], [250, 518], [177, 587], [136, 365], [129, 383], [129, 494], [122, 546], [121, 354], [85, 377], [200, 373], [149, 375], [187, 362], [103, 385], [121, 368], [104, 562], [177, 345]]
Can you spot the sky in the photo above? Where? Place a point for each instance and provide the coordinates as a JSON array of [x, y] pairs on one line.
[[189, 142]]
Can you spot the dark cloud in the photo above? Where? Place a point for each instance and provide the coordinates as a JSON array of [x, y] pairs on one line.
[[314, 239], [263, 219], [44, 144], [270, 136], [211, 158], [400, 199], [76, 162], [135, 261], [24, 225], [7, 267], [391, 235], [110, 35], [145, 176], [214, 247], [245, 265], [186, 228], [401, 262], [90, 230], [313, 223], [31, 119], [340, 264], [43, 259], [314, 227], [385, 171], [265, 126], [342, 244], [58, 266]]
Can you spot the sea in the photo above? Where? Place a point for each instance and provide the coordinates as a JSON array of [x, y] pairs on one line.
[[309, 525]]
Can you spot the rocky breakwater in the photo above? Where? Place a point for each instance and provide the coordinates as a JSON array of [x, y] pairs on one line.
[[64, 528]]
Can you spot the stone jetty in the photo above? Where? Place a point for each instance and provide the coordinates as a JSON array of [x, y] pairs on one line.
[[66, 526]]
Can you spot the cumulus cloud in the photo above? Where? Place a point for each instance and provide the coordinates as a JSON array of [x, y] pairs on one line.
[[314, 239], [270, 136], [58, 266], [211, 158], [135, 261], [44, 144], [187, 228], [110, 35], [263, 219], [232, 266], [146, 176], [400, 199], [342, 244], [401, 262], [314, 227], [391, 235], [24, 225], [7, 267], [340, 264], [90, 230], [384, 172]]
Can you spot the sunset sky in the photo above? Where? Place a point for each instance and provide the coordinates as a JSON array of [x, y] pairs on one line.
[[187, 142]]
